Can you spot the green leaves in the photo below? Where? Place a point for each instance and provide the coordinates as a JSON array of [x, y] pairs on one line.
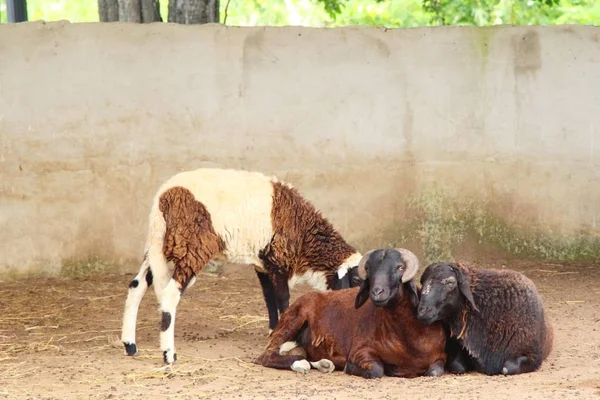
[[388, 13], [332, 7], [494, 12]]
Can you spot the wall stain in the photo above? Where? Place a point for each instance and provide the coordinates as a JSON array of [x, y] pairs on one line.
[[252, 52], [483, 40], [527, 50], [381, 47]]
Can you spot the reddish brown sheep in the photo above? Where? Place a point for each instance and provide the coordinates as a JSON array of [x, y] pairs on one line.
[[337, 330]]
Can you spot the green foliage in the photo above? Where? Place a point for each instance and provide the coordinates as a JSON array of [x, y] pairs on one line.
[[55, 10], [513, 12], [332, 13]]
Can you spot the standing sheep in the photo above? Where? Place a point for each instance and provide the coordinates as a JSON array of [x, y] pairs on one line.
[[495, 319], [245, 217]]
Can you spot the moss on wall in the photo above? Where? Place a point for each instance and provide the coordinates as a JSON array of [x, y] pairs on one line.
[[483, 37], [77, 268], [440, 223]]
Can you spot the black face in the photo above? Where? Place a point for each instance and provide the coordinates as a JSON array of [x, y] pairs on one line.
[[350, 280], [353, 277], [441, 297], [384, 272]]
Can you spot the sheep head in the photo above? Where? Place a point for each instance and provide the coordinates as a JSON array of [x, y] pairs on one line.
[[383, 273], [446, 288]]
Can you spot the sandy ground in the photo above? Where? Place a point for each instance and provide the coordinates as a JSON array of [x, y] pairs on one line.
[[57, 341]]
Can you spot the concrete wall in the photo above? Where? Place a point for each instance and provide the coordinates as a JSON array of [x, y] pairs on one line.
[[363, 121]]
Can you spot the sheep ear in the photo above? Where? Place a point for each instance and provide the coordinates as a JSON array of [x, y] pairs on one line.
[[363, 294], [414, 292], [464, 284]]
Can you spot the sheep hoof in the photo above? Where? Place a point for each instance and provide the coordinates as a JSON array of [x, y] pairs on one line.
[[301, 366], [436, 369], [169, 356], [130, 349], [323, 365]]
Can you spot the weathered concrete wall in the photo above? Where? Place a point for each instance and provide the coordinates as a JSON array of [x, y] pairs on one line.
[[483, 132]]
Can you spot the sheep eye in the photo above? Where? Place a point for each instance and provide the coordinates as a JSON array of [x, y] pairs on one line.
[[450, 281]]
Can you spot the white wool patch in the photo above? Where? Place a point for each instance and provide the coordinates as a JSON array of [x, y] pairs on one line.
[[287, 347], [427, 288], [315, 279], [348, 263], [157, 228], [239, 203]]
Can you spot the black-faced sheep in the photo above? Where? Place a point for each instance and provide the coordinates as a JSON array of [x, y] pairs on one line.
[[495, 319], [337, 330], [244, 217]]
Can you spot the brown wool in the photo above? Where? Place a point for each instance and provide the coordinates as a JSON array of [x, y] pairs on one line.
[[298, 232], [190, 239]]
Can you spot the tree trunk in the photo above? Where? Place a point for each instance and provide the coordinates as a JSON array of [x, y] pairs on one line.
[[193, 11], [108, 10], [151, 11], [129, 10]]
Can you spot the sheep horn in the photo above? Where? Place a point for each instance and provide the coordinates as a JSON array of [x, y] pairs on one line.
[[362, 272], [412, 264]]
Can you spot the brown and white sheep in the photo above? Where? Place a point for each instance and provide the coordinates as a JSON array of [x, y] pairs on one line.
[[244, 217]]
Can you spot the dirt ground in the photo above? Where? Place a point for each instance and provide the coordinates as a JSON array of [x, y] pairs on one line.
[[59, 340]]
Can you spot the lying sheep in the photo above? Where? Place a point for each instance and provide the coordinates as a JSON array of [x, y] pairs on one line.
[[335, 330], [495, 319], [244, 217]]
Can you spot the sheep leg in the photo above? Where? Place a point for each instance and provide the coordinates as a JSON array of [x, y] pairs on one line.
[[279, 278], [288, 329], [459, 361], [282, 292], [373, 370], [519, 365], [137, 290], [169, 299], [436, 369], [269, 295], [364, 364]]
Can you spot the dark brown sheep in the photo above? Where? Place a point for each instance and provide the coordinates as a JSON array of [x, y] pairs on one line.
[[337, 330], [495, 319], [243, 217]]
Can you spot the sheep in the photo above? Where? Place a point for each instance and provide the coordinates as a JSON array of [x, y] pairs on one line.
[[335, 330], [495, 319], [244, 217]]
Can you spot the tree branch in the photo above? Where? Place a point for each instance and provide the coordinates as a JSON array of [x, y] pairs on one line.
[[226, 9]]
